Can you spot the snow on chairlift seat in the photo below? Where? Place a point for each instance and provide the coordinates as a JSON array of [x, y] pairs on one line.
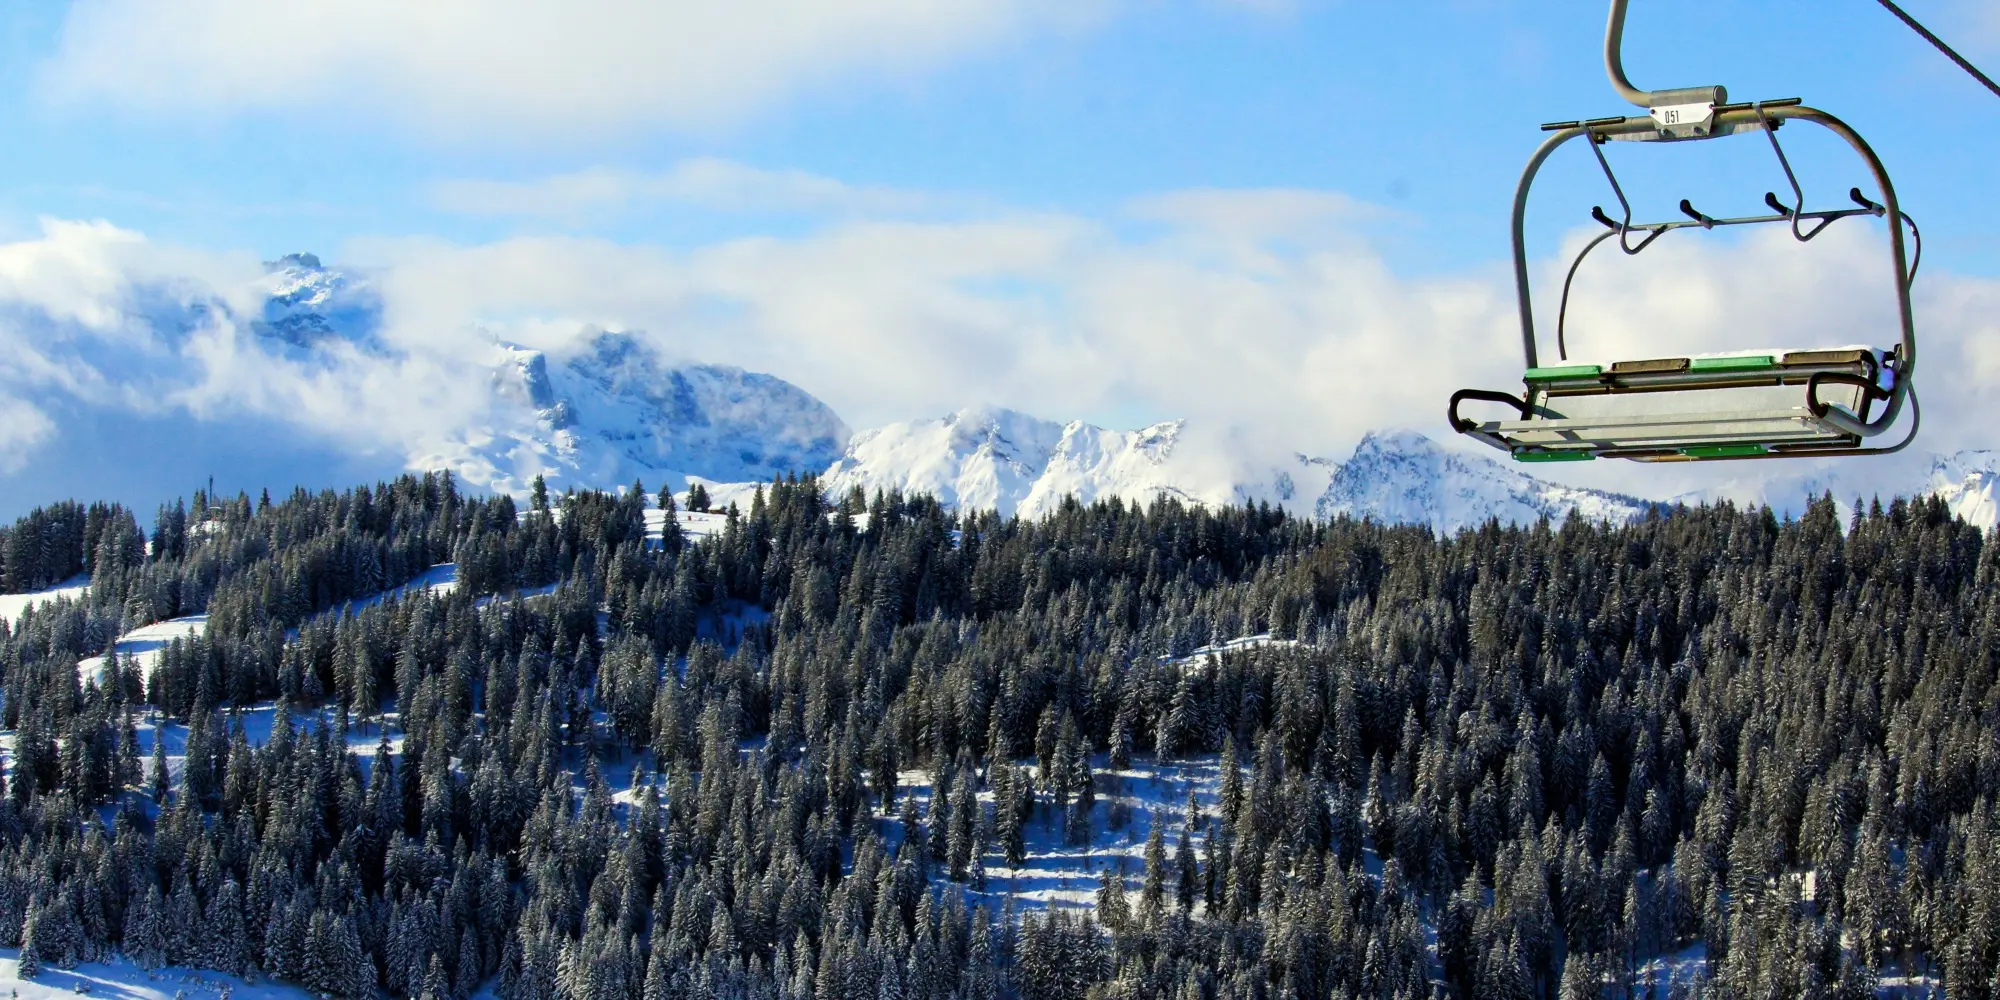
[[1729, 405]]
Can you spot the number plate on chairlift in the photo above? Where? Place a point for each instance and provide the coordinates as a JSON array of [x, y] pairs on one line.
[[1684, 121]]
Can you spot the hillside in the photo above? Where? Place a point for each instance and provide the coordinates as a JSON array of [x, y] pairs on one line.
[[1708, 751]]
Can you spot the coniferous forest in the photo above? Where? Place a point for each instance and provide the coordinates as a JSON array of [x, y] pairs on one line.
[[1710, 753]]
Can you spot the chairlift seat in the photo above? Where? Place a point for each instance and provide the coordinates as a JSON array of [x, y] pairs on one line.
[[1739, 404]]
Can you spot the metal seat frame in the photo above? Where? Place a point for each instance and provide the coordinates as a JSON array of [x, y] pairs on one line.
[[1834, 410]]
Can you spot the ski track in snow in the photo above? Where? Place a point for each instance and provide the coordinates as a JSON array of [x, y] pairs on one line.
[[440, 580]]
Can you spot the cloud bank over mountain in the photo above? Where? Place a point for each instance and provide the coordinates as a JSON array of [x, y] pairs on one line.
[[1264, 318]]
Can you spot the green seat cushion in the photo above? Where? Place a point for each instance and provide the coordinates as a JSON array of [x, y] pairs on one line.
[[1746, 363], [1564, 371]]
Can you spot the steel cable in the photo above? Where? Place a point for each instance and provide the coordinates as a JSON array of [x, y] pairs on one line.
[[1941, 46]]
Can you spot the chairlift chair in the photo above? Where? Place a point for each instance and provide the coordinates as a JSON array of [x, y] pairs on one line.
[[1761, 403]]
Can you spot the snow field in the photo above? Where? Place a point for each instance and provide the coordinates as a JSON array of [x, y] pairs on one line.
[[145, 644], [1240, 645], [694, 525], [12, 606], [117, 979], [1061, 875]]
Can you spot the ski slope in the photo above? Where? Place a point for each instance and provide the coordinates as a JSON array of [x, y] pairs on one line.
[[145, 644], [13, 606], [118, 979]]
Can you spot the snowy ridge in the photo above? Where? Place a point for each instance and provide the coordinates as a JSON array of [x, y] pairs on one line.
[[115, 978], [306, 303], [1405, 477], [1003, 460], [611, 410], [145, 644], [1968, 481], [1006, 461]]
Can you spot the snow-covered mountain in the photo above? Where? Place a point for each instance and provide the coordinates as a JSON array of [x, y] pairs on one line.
[[1968, 481], [604, 409], [1403, 476], [306, 303], [610, 410], [293, 378], [290, 374], [1016, 464]]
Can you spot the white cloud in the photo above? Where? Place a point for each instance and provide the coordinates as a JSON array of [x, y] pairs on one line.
[[23, 430], [118, 323], [79, 271], [714, 184], [1310, 340], [511, 68], [1254, 225]]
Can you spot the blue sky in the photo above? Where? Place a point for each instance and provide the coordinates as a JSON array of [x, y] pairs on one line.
[[1425, 107], [1005, 196]]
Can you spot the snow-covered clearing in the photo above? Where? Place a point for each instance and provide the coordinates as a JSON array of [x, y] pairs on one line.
[[440, 579], [1128, 802], [697, 525], [694, 524], [1686, 965], [258, 721], [118, 979], [1239, 645], [145, 644], [721, 495], [12, 606]]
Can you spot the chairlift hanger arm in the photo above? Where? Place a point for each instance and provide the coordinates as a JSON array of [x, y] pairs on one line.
[[1614, 66]]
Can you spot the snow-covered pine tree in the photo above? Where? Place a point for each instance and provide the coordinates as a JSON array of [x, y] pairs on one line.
[[435, 986], [144, 939], [225, 939], [29, 966]]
